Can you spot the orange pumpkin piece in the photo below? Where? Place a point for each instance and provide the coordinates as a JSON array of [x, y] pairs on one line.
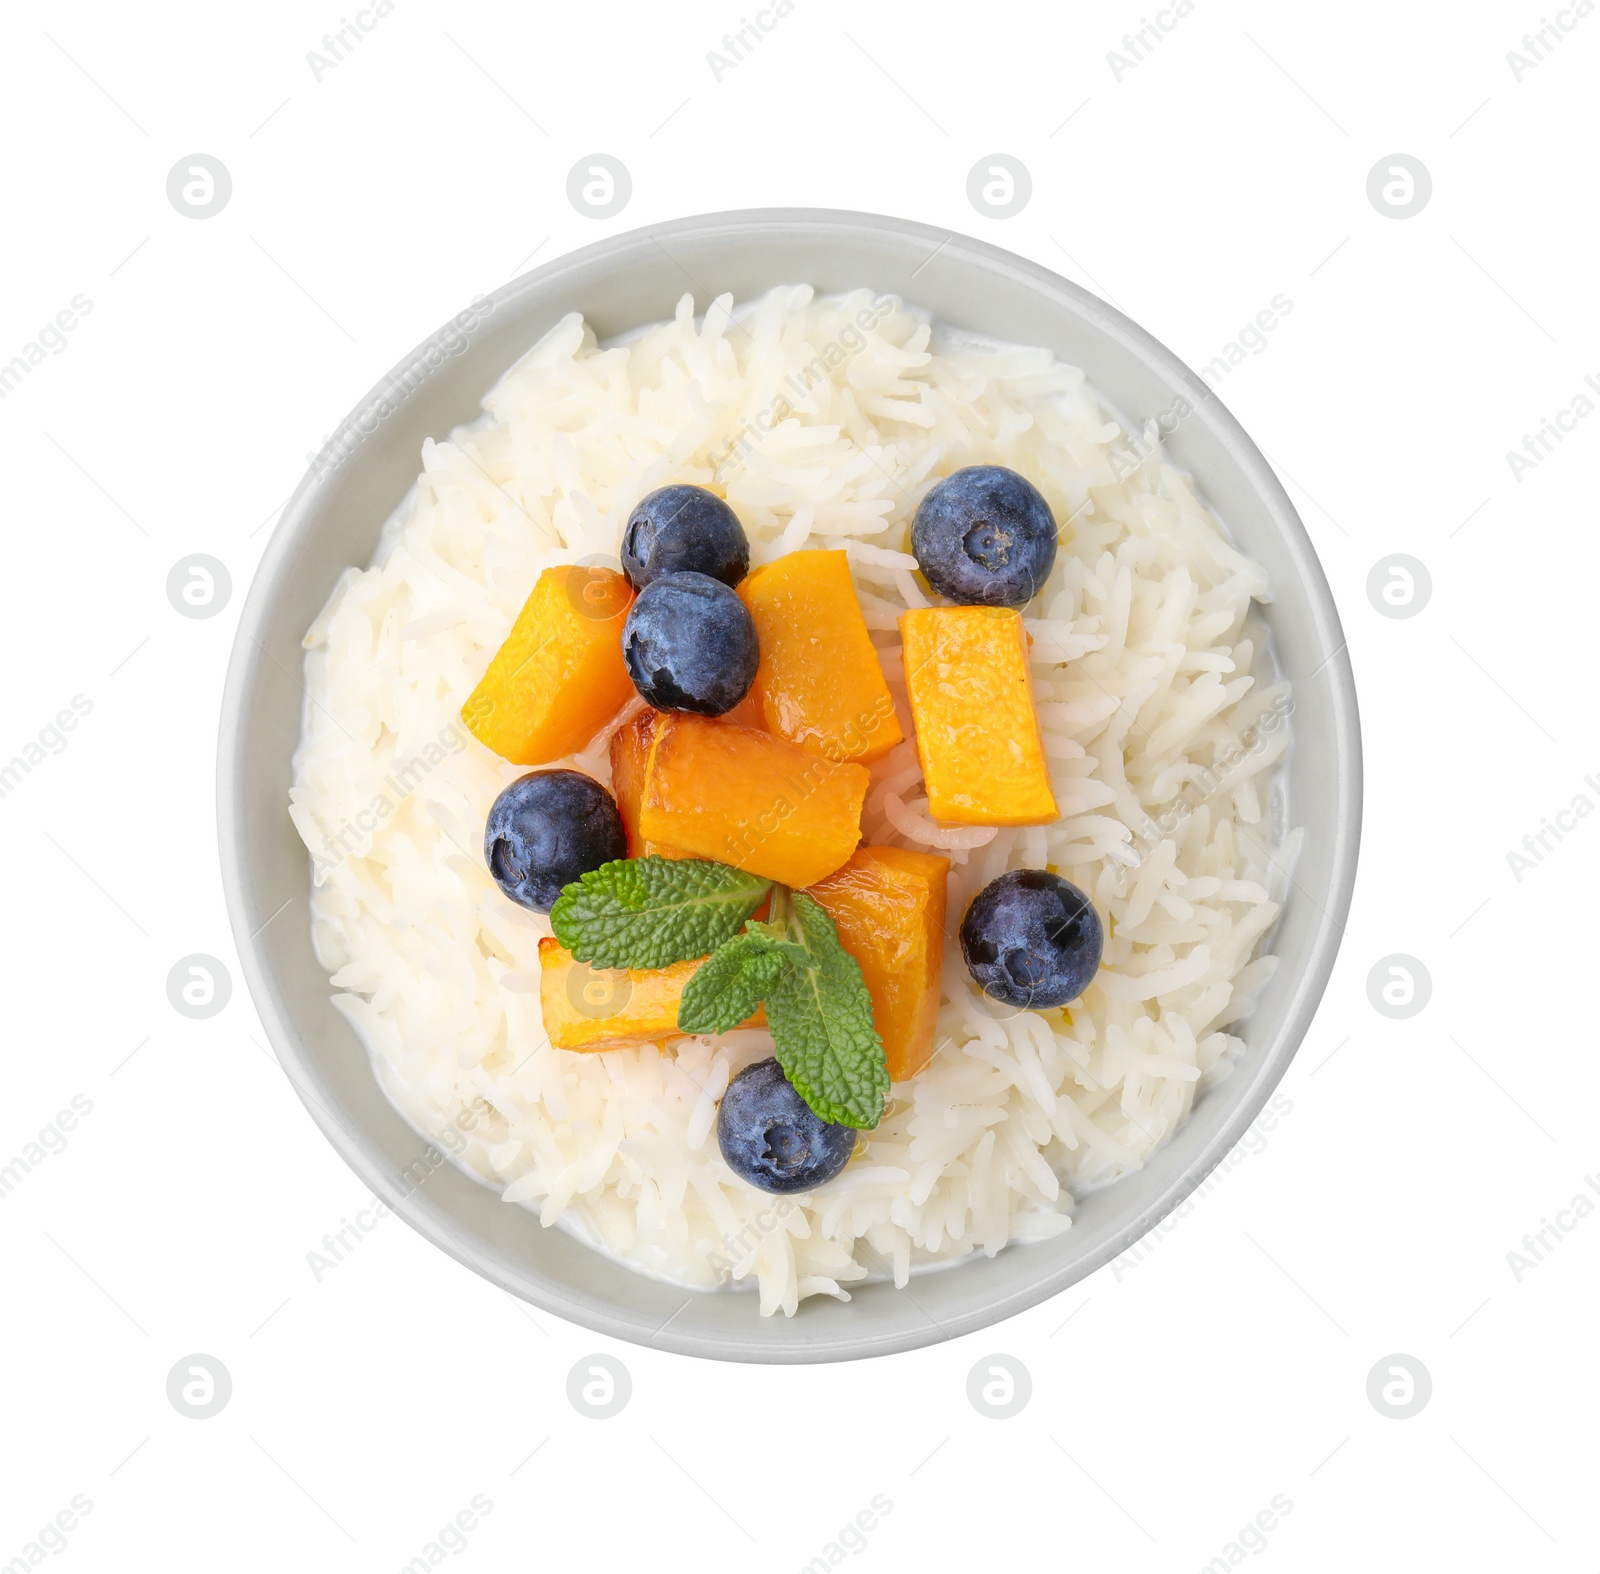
[[819, 683], [889, 905], [972, 705], [559, 677], [631, 745], [595, 1008], [716, 790], [630, 757]]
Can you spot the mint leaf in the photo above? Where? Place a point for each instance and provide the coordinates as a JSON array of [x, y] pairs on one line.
[[821, 1019], [651, 912], [729, 985]]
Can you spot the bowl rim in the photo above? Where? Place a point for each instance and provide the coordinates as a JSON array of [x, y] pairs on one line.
[[343, 1129]]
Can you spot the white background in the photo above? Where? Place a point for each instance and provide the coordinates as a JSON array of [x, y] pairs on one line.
[[1172, 1400]]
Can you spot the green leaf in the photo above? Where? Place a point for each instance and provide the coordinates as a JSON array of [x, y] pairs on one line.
[[820, 1014], [651, 912], [729, 984]]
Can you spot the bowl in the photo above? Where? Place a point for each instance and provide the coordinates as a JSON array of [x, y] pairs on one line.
[[333, 520]]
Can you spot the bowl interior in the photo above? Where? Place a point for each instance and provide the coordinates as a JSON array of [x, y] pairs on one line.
[[334, 520]]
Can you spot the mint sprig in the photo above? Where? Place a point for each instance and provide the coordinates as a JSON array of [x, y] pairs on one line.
[[820, 1014], [651, 912], [729, 985]]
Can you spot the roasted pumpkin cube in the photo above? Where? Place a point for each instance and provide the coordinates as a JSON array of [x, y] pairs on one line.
[[595, 1008], [559, 677], [972, 705], [631, 745], [716, 790], [889, 905], [819, 683]]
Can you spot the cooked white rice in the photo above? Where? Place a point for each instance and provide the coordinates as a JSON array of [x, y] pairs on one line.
[[1151, 680]]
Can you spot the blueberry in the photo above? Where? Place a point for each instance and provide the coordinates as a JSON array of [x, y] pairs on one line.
[[690, 644], [1032, 939], [985, 537], [545, 830], [770, 1137], [683, 529]]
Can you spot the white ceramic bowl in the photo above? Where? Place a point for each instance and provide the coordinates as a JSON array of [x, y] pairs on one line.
[[333, 520]]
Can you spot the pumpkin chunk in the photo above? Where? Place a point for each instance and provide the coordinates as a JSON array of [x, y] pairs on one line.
[[819, 683], [631, 745], [889, 905], [716, 790], [972, 705], [595, 1008], [559, 677]]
